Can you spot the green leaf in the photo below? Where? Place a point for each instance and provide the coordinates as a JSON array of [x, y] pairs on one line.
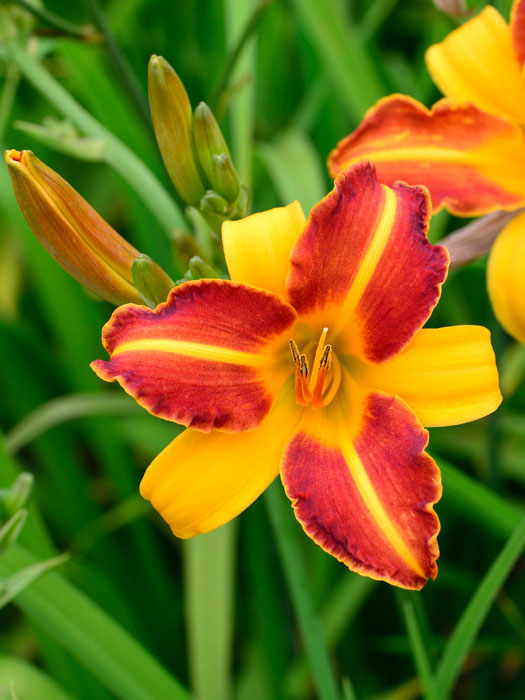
[[17, 582], [286, 531], [417, 645], [477, 502], [294, 167], [64, 409], [474, 614], [209, 580], [353, 74], [91, 635]]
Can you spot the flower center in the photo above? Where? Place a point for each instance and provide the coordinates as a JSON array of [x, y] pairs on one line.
[[319, 386]]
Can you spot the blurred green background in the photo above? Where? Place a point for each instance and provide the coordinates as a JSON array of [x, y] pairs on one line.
[[217, 614]]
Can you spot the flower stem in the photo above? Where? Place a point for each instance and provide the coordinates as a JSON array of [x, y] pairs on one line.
[[286, 533], [82, 31], [117, 154], [209, 563]]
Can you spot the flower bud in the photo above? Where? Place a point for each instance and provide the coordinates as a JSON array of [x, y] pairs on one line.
[[16, 496], [71, 230], [151, 281], [172, 122], [198, 269], [225, 181], [11, 529], [213, 203], [213, 153]]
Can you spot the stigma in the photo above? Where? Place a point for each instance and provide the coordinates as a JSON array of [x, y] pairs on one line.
[[313, 387]]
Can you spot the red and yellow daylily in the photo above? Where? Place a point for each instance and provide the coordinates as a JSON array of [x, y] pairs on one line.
[[468, 150], [311, 361]]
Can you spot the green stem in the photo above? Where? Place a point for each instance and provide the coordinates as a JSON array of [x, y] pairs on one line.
[[209, 578], [477, 610], [286, 533], [417, 645], [117, 154], [52, 20]]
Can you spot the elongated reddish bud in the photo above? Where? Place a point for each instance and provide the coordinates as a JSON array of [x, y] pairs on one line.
[[74, 234]]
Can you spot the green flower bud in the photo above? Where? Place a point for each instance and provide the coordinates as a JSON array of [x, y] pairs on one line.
[[152, 283], [16, 496], [11, 529], [207, 139], [225, 181], [213, 203], [172, 122], [199, 269]]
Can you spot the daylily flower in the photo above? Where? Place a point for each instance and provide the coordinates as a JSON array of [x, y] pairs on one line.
[[311, 361], [468, 150]]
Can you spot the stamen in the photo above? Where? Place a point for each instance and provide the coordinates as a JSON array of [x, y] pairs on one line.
[[295, 352], [301, 386], [324, 365]]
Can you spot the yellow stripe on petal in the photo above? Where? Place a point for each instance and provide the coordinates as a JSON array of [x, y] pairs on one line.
[[506, 278], [363, 488], [368, 266], [477, 62], [213, 353], [201, 481], [210, 357], [257, 248], [363, 266], [446, 375]]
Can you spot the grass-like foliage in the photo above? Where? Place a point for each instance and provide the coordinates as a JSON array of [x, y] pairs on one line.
[[255, 610]]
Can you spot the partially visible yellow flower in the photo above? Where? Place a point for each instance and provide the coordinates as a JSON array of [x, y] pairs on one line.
[[71, 230], [469, 148]]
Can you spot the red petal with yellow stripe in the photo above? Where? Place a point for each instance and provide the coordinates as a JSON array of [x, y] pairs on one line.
[[363, 266], [367, 498], [472, 162], [207, 358]]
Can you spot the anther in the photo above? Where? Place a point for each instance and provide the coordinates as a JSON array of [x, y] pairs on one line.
[[324, 366], [295, 352]]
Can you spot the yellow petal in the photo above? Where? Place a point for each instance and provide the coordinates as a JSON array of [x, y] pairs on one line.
[[202, 480], [446, 375], [506, 278], [477, 62], [257, 248]]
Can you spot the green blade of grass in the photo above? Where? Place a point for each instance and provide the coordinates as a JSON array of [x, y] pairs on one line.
[[91, 636], [417, 645], [350, 68], [477, 502], [474, 614], [294, 167], [209, 579], [28, 682], [66, 408], [286, 533]]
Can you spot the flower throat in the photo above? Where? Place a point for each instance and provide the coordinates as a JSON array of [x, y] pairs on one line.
[[319, 386]]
